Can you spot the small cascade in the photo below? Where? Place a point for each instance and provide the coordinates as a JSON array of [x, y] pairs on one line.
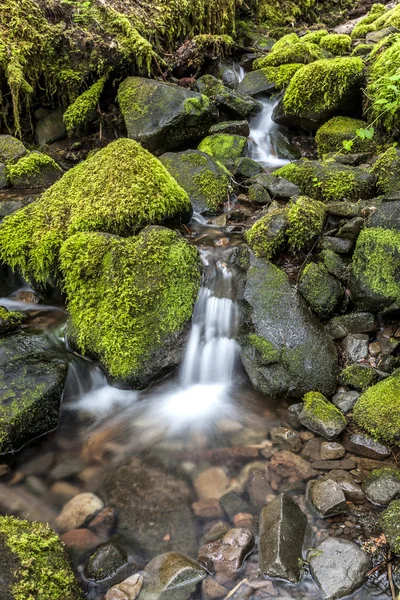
[[261, 147]]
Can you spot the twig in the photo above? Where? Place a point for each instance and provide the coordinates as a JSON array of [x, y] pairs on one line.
[[390, 576], [235, 589], [159, 68], [384, 563]]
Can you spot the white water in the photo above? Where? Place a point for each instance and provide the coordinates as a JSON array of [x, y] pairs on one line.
[[261, 148]]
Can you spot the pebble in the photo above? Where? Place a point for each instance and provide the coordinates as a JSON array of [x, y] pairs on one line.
[[332, 450], [287, 464], [129, 589], [215, 532], [208, 509], [355, 346], [103, 523], [326, 497], [287, 438], [212, 590], [345, 401], [78, 510], [80, 540], [245, 520], [64, 491], [328, 465], [363, 445], [211, 483]]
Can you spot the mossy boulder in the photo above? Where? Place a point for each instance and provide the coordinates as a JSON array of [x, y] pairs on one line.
[[368, 23], [225, 99], [224, 148], [390, 523], [298, 52], [331, 135], [163, 116], [130, 300], [387, 171], [31, 386], [234, 127], [34, 563], [384, 63], [337, 44], [256, 82], [321, 416], [324, 293], [35, 170], [375, 275], [10, 320], [320, 91], [11, 149], [360, 377], [336, 265], [378, 410], [268, 235], [329, 181], [306, 218], [205, 181], [288, 351], [118, 190]]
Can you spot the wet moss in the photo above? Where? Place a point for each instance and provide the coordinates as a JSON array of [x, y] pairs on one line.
[[323, 292], [11, 149], [281, 76], [32, 170], [268, 235], [317, 409], [78, 113], [362, 50], [390, 523], [285, 40], [299, 52], [314, 37], [336, 44], [306, 220], [386, 169], [378, 410], [381, 89], [359, 377], [269, 354], [378, 17], [10, 320], [223, 147], [331, 135]]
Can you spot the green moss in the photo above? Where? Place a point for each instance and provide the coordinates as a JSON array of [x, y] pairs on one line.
[[323, 292], [382, 89], [378, 410], [32, 169], [126, 296], [281, 76], [196, 106], [268, 235], [132, 98], [44, 571], [78, 113], [390, 523], [335, 264], [375, 261], [314, 37], [322, 85], [285, 40], [306, 220], [331, 135], [378, 18], [213, 187], [336, 44], [223, 147], [300, 52], [118, 190], [359, 377], [318, 409], [362, 50], [10, 320], [386, 169], [267, 350]]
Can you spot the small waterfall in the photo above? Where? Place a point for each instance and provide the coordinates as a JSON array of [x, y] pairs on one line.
[[261, 147]]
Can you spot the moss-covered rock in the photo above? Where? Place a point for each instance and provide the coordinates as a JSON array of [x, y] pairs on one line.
[[336, 265], [118, 190], [11, 149], [130, 300], [331, 135], [10, 321], [321, 416], [256, 82], [387, 171], [382, 89], [230, 101], [36, 170], [378, 410], [233, 127], [34, 563], [31, 386], [375, 277], [362, 50], [306, 218], [323, 292], [288, 352], [163, 116], [390, 523], [258, 194], [360, 377], [224, 148], [378, 17], [314, 37], [206, 181], [268, 235], [329, 182], [335, 43], [280, 77], [298, 52], [320, 90]]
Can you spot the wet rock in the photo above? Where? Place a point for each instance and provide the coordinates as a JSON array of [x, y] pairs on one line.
[[107, 559], [358, 376], [321, 416], [151, 504], [390, 522], [163, 116], [233, 504], [233, 127], [382, 485], [332, 450], [258, 194], [327, 465], [259, 488], [355, 346], [3, 177], [31, 386], [340, 327], [212, 590], [287, 438], [103, 523], [227, 554], [224, 148], [36, 170], [79, 541], [227, 100], [347, 483], [215, 532], [311, 450], [278, 187], [211, 483], [246, 168], [326, 497], [287, 464], [291, 352], [51, 127], [351, 229], [364, 445], [339, 567], [171, 576], [336, 244], [8, 207], [11, 149], [282, 531], [78, 511], [345, 401], [323, 292], [208, 509], [129, 589], [254, 83]]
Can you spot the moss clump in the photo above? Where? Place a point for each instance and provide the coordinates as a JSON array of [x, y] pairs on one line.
[[336, 44], [126, 297], [362, 50], [306, 220], [300, 52], [268, 235], [383, 88], [285, 40], [331, 135], [269, 354], [33, 170], [314, 37], [11, 149], [78, 113], [118, 190], [359, 377], [282, 76], [323, 292], [224, 147], [43, 568], [377, 18], [387, 169], [9, 321], [390, 523], [376, 260], [324, 85], [378, 410], [318, 410]]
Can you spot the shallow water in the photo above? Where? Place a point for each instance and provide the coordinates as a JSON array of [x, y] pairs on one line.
[[261, 147]]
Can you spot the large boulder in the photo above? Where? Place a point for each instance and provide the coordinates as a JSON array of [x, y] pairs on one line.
[[131, 300], [31, 386], [118, 190], [34, 563], [151, 503], [163, 116], [205, 180], [289, 352], [230, 101]]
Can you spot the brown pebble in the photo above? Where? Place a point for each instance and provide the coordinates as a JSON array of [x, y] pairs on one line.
[[209, 508], [243, 520], [102, 524], [80, 540], [306, 436]]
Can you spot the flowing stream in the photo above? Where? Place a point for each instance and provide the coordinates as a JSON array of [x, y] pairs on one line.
[[262, 148]]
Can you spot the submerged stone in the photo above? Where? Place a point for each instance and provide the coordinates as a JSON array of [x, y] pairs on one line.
[[282, 531], [321, 416], [171, 576], [105, 561], [227, 554]]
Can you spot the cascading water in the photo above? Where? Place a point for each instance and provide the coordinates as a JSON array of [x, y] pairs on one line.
[[261, 147]]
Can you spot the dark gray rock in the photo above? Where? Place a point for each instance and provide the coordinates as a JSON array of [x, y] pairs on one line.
[[382, 485], [386, 216], [282, 531], [226, 99], [259, 195], [105, 561], [278, 187], [255, 83], [348, 484], [339, 567], [345, 401], [326, 497], [287, 438], [344, 209], [376, 36], [351, 229], [231, 127], [362, 322], [233, 504], [3, 176], [31, 386], [171, 576], [336, 265], [150, 503], [364, 445], [324, 293], [11, 149], [246, 168], [355, 346], [295, 355], [336, 244], [50, 127]]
